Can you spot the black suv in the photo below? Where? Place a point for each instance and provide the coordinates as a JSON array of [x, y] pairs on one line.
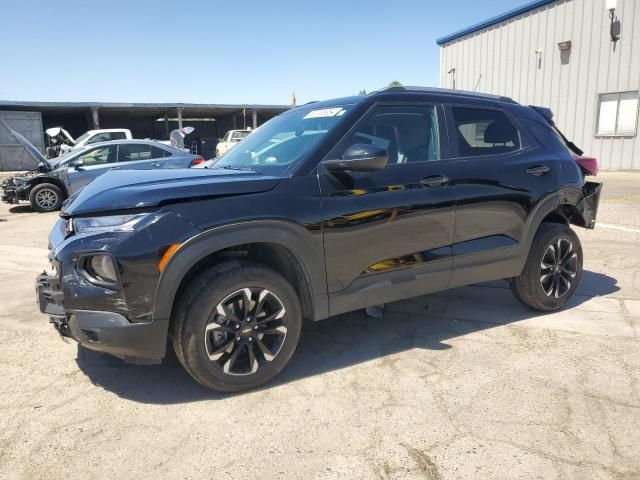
[[330, 207]]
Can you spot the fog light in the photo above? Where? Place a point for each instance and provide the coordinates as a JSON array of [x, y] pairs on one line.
[[102, 268]]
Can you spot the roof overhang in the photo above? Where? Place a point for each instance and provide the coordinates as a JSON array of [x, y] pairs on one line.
[[144, 109], [492, 21]]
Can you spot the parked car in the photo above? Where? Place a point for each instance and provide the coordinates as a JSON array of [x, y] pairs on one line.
[[328, 208], [230, 140], [54, 180], [96, 136]]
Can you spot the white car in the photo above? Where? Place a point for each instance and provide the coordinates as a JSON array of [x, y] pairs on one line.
[[95, 136], [230, 140]]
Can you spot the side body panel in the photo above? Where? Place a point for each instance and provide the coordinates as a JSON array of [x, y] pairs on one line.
[[496, 196], [377, 224]]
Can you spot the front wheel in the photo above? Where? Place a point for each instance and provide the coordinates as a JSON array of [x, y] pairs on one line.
[[237, 326], [553, 269], [46, 197]]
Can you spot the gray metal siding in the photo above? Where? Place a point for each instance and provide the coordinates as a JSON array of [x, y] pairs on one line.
[[503, 57], [12, 154]]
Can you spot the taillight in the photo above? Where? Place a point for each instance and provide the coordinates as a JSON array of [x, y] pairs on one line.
[[589, 165], [197, 161]]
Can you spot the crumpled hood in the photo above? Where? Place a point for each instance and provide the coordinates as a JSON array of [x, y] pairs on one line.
[[125, 189]]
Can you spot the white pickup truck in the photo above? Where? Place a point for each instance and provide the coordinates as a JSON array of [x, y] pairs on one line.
[[95, 136]]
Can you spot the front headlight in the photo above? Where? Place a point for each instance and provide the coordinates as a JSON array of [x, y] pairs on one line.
[[111, 223]]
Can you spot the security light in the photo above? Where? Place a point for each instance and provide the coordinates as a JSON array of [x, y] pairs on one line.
[[566, 45], [611, 7]]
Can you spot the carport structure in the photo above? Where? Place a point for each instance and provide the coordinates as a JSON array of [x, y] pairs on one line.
[[151, 120]]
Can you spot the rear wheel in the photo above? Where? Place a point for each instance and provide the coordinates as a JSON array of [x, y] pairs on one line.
[[553, 270], [45, 197], [236, 326]]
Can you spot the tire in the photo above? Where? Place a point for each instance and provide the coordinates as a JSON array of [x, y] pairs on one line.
[[218, 344], [546, 284], [46, 197]]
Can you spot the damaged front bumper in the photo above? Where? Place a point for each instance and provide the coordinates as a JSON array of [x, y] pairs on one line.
[[116, 318], [107, 332], [12, 193]]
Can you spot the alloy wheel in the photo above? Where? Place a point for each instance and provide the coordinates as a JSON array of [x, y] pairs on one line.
[[246, 331], [558, 268], [46, 199]]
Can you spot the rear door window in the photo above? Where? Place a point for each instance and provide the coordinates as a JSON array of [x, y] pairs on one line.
[[157, 152], [479, 132], [134, 152]]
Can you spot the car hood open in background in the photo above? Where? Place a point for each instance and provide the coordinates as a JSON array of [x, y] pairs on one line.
[[125, 189], [61, 132]]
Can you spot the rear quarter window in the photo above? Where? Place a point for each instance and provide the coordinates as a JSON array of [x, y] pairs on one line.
[[544, 135], [480, 132], [159, 152]]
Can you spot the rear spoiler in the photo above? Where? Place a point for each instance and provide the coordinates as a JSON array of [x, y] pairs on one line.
[[547, 114]]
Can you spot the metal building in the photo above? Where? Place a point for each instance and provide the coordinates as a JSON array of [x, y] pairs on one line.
[[579, 57]]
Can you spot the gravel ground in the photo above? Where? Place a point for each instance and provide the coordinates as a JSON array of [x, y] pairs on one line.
[[465, 384]]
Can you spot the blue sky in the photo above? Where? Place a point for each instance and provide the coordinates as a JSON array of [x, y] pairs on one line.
[[223, 51]]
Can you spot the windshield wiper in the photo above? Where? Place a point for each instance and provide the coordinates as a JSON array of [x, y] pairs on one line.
[[233, 167]]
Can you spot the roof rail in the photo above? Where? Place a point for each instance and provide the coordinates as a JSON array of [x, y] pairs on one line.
[[437, 90]]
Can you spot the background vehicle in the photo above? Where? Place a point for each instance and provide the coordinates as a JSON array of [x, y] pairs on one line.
[[96, 136], [328, 208], [232, 138], [56, 138], [54, 180]]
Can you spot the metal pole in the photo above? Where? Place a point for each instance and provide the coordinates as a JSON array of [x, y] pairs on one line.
[[166, 125], [95, 118], [254, 118], [179, 117]]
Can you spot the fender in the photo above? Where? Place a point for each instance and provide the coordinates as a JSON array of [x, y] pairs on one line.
[[38, 179], [289, 235], [549, 203]]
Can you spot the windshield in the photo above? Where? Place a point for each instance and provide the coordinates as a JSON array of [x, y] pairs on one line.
[[83, 137], [239, 135], [276, 147]]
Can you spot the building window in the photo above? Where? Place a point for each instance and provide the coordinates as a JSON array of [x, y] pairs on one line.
[[617, 114]]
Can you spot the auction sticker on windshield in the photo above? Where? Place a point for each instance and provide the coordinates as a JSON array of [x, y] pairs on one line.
[[326, 112]]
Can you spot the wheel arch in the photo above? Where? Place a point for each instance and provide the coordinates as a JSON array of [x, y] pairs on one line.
[[286, 247], [557, 207], [35, 181]]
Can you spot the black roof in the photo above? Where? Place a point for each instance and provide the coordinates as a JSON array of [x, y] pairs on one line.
[[442, 91]]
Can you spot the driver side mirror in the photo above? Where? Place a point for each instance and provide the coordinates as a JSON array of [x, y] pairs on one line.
[[78, 164], [360, 157]]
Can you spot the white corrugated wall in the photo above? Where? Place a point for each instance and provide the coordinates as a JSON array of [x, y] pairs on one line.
[[502, 60]]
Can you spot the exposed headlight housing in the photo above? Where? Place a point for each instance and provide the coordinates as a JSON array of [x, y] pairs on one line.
[[102, 268], [111, 223]]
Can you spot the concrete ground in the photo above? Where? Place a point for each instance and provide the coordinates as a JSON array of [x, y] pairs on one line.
[[465, 384]]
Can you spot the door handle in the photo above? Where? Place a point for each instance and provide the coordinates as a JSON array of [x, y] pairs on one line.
[[434, 181], [538, 170], [155, 164]]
